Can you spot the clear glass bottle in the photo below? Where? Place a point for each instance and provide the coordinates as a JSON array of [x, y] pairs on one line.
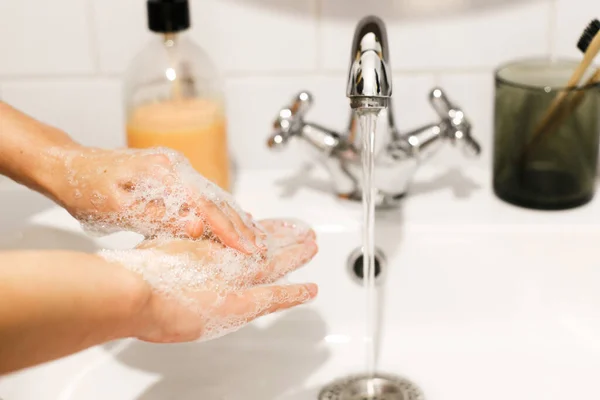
[[174, 95]]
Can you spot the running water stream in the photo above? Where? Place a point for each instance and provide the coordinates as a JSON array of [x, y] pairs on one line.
[[368, 122]]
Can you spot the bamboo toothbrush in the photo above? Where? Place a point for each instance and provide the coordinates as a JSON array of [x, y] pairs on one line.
[[590, 37], [583, 44], [577, 99]]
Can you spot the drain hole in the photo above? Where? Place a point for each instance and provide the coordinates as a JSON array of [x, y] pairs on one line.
[[362, 387], [356, 265]]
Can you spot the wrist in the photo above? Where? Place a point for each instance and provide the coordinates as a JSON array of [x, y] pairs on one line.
[[82, 300], [133, 295], [28, 149], [52, 175]]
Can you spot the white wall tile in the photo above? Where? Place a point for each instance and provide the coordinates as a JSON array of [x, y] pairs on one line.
[[121, 32], [265, 35], [88, 110], [239, 36], [411, 100], [271, 49], [474, 93], [572, 17], [338, 20], [44, 37], [470, 34], [253, 104]]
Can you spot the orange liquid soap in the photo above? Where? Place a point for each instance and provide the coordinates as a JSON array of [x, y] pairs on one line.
[[197, 128]]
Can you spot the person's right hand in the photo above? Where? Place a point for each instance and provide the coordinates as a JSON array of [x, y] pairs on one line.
[[151, 192], [200, 290]]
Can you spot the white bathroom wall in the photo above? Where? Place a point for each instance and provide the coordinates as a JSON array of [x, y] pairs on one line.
[[61, 60]]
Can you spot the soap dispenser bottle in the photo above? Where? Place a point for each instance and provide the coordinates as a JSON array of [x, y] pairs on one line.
[[173, 95]]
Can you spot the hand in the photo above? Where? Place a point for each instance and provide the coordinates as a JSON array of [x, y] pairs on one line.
[[202, 290], [151, 192]]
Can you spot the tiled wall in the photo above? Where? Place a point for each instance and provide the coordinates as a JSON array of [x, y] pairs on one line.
[[61, 60]]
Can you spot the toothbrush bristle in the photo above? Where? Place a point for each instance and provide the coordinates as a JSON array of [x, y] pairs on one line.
[[588, 35]]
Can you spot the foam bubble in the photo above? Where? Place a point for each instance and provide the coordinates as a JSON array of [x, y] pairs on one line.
[[201, 275], [156, 193]]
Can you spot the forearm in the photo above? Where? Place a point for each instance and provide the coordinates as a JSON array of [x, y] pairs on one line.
[[29, 149], [53, 304]]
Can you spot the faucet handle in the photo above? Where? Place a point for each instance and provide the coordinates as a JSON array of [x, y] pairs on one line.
[[457, 126], [442, 105], [290, 120]]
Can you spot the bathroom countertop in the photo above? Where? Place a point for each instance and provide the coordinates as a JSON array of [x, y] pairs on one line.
[[473, 290], [441, 197]]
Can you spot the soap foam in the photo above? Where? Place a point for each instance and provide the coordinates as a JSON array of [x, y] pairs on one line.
[[154, 201], [203, 275], [158, 202]]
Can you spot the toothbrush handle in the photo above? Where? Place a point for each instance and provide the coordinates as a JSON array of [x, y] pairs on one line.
[[541, 129], [559, 118], [578, 98]]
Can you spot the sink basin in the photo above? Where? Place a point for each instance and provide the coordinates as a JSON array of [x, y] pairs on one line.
[[480, 300]]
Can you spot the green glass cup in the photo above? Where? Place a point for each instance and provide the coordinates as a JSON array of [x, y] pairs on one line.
[[545, 134]]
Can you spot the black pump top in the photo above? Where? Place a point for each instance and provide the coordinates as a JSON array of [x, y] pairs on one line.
[[168, 16]]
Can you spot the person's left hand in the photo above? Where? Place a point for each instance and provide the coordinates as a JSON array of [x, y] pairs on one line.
[[200, 290], [151, 192]]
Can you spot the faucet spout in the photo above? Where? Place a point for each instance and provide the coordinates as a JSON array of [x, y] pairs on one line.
[[369, 81], [397, 154]]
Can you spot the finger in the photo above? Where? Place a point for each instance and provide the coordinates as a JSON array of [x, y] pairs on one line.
[[183, 217], [195, 228], [286, 232], [198, 212], [247, 230], [288, 225], [259, 231], [286, 261], [222, 221], [253, 303], [200, 252], [223, 228]]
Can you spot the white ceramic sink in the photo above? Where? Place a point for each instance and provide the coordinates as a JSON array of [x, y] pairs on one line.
[[481, 300]]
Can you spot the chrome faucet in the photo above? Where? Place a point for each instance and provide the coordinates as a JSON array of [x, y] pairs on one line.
[[397, 155], [369, 80]]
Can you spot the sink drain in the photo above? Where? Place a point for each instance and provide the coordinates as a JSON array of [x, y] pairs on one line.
[[356, 265], [363, 387]]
